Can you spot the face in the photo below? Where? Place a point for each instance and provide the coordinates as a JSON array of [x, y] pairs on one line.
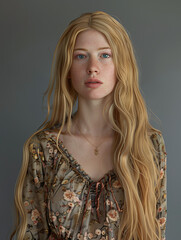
[[92, 72]]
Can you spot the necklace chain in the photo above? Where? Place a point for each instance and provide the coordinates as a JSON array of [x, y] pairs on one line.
[[96, 151]]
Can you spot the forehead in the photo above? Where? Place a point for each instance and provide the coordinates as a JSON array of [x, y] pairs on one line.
[[91, 37]]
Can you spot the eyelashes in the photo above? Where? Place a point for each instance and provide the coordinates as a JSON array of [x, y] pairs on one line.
[[83, 56], [107, 54], [80, 56]]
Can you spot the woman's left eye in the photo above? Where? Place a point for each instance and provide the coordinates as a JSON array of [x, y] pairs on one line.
[[106, 55]]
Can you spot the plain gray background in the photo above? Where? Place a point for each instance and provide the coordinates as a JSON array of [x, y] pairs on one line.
[[29, 33]]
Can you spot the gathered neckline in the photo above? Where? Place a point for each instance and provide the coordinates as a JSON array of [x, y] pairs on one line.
[[75, 163]]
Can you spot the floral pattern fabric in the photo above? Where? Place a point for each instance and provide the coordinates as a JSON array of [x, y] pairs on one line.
[[63, 202]]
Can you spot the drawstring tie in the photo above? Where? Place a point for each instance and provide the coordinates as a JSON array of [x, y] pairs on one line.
[[98, 195]]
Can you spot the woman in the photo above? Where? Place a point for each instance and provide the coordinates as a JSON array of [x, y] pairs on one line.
[[98, 173]]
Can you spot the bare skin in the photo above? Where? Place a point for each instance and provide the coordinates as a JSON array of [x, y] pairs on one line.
[[92, 62], [96, 166]]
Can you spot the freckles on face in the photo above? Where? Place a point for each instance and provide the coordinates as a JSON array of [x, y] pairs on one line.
[[92, 59]]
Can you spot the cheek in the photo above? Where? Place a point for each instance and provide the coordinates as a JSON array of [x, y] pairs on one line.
[[75, 71], [75, 77], [111, 72], [74, 81]]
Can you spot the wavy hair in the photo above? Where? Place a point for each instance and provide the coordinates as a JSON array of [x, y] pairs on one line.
[[134, 154]]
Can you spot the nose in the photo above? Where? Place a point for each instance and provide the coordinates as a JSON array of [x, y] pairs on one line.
[[92, 66]]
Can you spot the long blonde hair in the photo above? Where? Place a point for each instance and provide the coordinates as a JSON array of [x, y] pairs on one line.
[[134, 154]]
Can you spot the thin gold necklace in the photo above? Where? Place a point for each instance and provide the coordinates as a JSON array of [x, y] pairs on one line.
[[96, 151]]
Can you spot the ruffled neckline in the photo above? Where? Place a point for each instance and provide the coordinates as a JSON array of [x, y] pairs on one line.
[[53, 136]]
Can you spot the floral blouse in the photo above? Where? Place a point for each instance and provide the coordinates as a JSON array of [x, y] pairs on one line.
[[63, 202]]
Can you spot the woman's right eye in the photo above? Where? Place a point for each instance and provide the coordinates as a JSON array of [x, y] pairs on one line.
[[80, 56]]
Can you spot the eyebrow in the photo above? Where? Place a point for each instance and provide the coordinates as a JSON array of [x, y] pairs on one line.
[[87, 49]]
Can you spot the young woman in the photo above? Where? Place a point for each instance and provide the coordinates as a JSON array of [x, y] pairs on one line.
[[98, 173]]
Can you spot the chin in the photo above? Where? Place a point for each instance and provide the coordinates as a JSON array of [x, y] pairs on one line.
[[94, 96]]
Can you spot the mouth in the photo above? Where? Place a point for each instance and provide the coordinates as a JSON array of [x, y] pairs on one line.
[[93, 83], [93, 80]]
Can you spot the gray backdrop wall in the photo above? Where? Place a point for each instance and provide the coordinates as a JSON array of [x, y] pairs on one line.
[[29, 33]]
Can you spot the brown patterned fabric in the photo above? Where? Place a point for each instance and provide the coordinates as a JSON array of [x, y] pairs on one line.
[[63, 202]]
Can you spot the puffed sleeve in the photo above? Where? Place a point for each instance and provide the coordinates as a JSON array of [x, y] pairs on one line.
[[34, 194], [162, 202]]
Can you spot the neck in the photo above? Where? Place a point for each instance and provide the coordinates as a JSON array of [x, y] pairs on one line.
[[89, 120]]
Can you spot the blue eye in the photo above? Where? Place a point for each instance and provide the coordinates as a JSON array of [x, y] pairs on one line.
[[80, 56], [105, 55]]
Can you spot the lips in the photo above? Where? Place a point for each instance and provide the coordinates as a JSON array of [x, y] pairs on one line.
[[93, 80]]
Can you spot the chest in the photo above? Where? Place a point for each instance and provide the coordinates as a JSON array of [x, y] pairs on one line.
[[95, 165]]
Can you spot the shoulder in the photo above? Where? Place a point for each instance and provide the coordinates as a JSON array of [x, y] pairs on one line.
[[40, 145], [158, 142], [36, 140], [160, 150], [41, 138], [44, 143]]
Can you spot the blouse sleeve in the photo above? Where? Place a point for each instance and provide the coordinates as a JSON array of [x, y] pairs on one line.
[[34, 194], [162, 202]]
